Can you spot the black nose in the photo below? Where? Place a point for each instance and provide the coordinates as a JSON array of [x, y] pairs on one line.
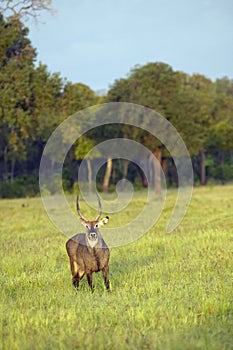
[[93, 235]]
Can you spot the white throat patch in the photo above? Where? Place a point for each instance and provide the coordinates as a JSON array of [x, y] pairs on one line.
[[92, 244]]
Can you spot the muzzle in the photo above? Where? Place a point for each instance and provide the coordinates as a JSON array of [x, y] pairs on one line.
[[93, 236]]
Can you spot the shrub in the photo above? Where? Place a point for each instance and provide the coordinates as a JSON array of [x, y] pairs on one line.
[[26, 186]]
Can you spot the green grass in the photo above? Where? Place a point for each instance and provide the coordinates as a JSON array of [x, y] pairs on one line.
[[169, 291]]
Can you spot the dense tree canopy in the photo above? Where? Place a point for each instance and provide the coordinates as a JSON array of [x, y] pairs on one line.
[[201, 110], [33, 101]]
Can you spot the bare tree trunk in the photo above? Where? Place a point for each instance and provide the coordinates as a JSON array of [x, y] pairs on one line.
[[89, 174], [143, 179], [125, 164], [107, 175], [165, 169], [174, 175], [203, 169], [73, 165], [157, 170], [12, 169]]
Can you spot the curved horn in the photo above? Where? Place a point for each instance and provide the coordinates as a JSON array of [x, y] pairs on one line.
[[99, 209], [79, 211]]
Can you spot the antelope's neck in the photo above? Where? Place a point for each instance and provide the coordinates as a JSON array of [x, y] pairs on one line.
[[92, 244]]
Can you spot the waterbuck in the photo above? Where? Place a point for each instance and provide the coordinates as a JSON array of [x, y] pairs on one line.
[[88, 252]]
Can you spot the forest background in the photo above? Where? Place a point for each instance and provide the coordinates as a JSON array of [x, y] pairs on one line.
[[34, 101]]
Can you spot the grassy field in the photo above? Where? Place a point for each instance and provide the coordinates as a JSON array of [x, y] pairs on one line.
[[169, 291]]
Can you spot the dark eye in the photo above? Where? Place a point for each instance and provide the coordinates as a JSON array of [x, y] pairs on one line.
[[96, 225], [87, 226]]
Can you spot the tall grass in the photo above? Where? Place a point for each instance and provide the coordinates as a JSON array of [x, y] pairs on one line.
[[169, 291]]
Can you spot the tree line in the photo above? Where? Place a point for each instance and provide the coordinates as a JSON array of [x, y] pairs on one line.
[[34, 101]]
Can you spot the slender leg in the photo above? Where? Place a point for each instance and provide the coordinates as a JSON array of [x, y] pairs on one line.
[[75, 281], [105, 276], [89, 280], [77, 278]]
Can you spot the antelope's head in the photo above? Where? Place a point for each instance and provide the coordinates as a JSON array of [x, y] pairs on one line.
[[92, 227]]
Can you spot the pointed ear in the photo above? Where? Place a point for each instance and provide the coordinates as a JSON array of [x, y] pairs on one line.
[[104, 221]]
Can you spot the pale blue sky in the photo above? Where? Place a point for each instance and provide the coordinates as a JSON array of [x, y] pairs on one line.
[[97, 41]]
